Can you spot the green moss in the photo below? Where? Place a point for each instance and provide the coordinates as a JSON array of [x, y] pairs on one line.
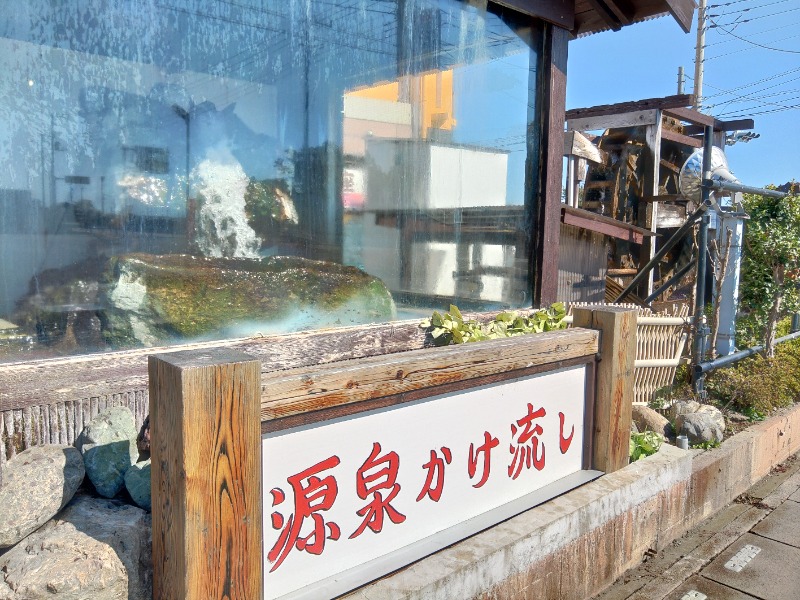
[[192, 297]]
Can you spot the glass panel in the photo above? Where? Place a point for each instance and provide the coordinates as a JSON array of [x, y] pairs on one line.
[[189, 169]]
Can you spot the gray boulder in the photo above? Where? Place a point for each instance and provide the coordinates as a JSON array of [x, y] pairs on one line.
[[711, 427], [98, 549], [37, 484], [700, 427], [108, 446], [681, 407], [647, 419], [137, 482]]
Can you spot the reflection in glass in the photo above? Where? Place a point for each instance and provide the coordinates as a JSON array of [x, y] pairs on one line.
[[198, 170]]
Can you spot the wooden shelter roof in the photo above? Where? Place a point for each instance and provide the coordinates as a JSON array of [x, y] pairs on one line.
[[584, 17], [592, 16]]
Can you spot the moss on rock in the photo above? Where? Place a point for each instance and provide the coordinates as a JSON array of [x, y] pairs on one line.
[[158, 299]]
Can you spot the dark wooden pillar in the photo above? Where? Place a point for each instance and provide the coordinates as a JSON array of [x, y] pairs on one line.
[[547, 201]]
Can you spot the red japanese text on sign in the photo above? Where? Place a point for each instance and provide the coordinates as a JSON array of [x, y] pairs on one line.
[[374, 475], [435, 467], [484, 450], [564, 442], [524, 447], [312, 495]]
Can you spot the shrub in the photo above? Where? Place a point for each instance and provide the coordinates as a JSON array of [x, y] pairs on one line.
[[759, 385]]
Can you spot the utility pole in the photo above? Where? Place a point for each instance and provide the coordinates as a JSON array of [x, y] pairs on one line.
[[680, 80], [699, 55]]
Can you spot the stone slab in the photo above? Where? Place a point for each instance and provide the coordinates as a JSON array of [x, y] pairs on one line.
[[795, 497], [711, 589], [773, 574], [782, 525]]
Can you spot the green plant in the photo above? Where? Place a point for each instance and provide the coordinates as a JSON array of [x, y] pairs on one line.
[[706, 445], [771, 262], [753, 414], [644, 444], [757, 385], [452, 328]]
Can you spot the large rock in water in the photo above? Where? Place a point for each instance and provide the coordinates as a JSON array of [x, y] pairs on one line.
[[153, 300], [37, 484], [98, 549], [108, 446]]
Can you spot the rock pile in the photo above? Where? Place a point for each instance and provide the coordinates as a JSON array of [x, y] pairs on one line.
[[56, 541], [701, 423]]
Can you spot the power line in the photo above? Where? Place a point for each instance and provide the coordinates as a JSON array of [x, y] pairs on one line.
[[741, 114], [747, 85], [753, 34], [755, 43], [749, 8], [746, 49], [728, 3], [756, 18]]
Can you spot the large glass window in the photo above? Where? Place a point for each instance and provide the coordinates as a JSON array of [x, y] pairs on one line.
[[183, 170]]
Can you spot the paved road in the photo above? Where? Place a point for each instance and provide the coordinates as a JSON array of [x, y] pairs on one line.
[[751, 549]]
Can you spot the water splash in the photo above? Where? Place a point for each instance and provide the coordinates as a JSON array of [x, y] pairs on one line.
[[221, 228]]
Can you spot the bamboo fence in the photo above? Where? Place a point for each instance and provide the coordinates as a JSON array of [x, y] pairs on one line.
[[61, 422], [660, 340]]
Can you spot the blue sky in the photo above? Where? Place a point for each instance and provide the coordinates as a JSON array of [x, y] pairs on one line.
[[741, 78]]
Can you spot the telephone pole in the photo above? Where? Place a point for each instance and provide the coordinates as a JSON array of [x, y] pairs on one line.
[[699, 55]]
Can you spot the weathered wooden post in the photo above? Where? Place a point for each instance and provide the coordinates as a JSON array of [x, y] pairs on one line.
[[614, 382], [206, 475]]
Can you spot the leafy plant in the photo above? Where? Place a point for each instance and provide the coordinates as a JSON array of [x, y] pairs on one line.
[[771, 262], [753, 414], [706, 445], [452, 328], [759, 385], [644, 444]]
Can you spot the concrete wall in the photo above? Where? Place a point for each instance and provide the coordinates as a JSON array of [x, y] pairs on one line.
[[576, 545]]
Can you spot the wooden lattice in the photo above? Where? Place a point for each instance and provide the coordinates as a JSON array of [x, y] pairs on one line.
[[660, 340]]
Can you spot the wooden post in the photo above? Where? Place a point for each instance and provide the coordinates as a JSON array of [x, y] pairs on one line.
[[614, 385], [649, 216], [205, 429]]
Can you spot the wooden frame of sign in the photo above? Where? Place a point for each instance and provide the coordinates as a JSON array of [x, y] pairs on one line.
[[373, 463]]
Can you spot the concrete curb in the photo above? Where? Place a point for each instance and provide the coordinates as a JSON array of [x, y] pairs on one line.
[[575, 546]]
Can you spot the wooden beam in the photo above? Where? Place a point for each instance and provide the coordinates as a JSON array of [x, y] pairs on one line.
[[206, 465], [632, 119], [677, 101], [601, 224], [298, 391], [683, 12], [614, 384], [648, 218], [680, 138], [543, 258], [577, 144], [671, 216], [737, 125], [663, 198], [623, 11], [606, 14], [558, 12], [690, 115]]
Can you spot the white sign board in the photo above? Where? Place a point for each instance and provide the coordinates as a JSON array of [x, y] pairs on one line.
[[359, 490]]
